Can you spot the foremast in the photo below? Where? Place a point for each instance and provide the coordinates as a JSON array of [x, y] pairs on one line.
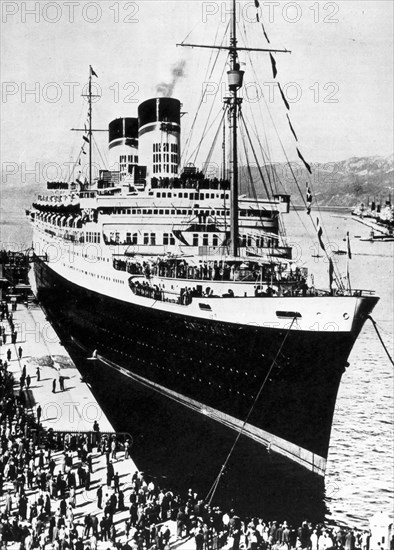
[[235, 81]]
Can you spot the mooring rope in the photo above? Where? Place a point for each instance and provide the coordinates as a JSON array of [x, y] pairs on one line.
[[212, 490], [380, 338]]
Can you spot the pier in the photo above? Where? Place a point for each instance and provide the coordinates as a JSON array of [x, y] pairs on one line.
[[66, 433], [38, 350]]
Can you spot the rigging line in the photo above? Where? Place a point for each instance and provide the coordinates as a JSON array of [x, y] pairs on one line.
[[208, 117], [265, 134], [250, 173], [206, 131], [189, 138], [71, 174], [216, 483], [336, 269], [261, 150], [210, 153], [268, 155], [265, 157], [380, 338], [329, 256], [193, 29], [99, 152], [255, 157]]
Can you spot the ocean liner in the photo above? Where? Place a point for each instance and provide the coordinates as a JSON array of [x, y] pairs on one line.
[[180, 282]]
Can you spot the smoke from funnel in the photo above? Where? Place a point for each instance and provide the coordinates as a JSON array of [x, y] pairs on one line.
[[166, 88]]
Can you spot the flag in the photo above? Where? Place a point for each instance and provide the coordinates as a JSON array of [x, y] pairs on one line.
[[257, 18], [320, 235], [284, 98], [273, 63], [265, 34], [86, 139], [256, 3], [92, 73], [331, 273], [308, 199], [349, 286], [307, 166], [291, 127], [349, 252]]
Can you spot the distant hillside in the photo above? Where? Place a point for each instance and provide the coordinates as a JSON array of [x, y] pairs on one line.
[[343, 183]]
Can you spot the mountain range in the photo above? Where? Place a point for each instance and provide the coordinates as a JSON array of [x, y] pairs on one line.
[[343, 183]]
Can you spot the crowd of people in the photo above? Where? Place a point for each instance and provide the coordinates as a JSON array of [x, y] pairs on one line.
[[49, 501]]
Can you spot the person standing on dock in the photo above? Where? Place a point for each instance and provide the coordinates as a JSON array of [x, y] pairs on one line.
[[38, 374], [20, 352], [116, 482], [28, 380], [8, 354], [99, 494], [39, 411], [126, 448], [54, 386], [113, 448], [110, 473]]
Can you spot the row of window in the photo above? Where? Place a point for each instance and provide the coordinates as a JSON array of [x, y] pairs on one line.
[[126, 167], [158, 157], [92, 274], [92, 237], [191, 196], [128, 158], [160, 168], [167, 212], [185, 212], [165, 147]]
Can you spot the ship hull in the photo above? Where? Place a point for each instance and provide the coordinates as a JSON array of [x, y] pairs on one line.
[[279, 386]]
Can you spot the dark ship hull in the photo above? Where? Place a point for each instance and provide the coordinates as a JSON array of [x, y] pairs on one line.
[[214, 368]]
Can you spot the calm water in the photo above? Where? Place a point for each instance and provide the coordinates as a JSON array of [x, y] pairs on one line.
[[181, 450]]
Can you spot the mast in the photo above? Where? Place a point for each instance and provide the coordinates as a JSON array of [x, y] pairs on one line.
[[234, 144], [235, 81], [90, 126], [224, 174]]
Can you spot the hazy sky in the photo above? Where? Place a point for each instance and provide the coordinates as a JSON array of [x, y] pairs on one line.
[[341, 67]]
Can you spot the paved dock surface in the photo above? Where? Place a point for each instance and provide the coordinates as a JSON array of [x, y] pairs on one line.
[[71, 409]]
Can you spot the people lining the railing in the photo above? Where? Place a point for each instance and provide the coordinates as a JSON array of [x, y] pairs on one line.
[[196, 181], [219, 270], [146, 290], [131, 267]]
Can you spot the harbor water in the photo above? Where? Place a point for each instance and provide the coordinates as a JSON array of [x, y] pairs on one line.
[[182, 451]]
